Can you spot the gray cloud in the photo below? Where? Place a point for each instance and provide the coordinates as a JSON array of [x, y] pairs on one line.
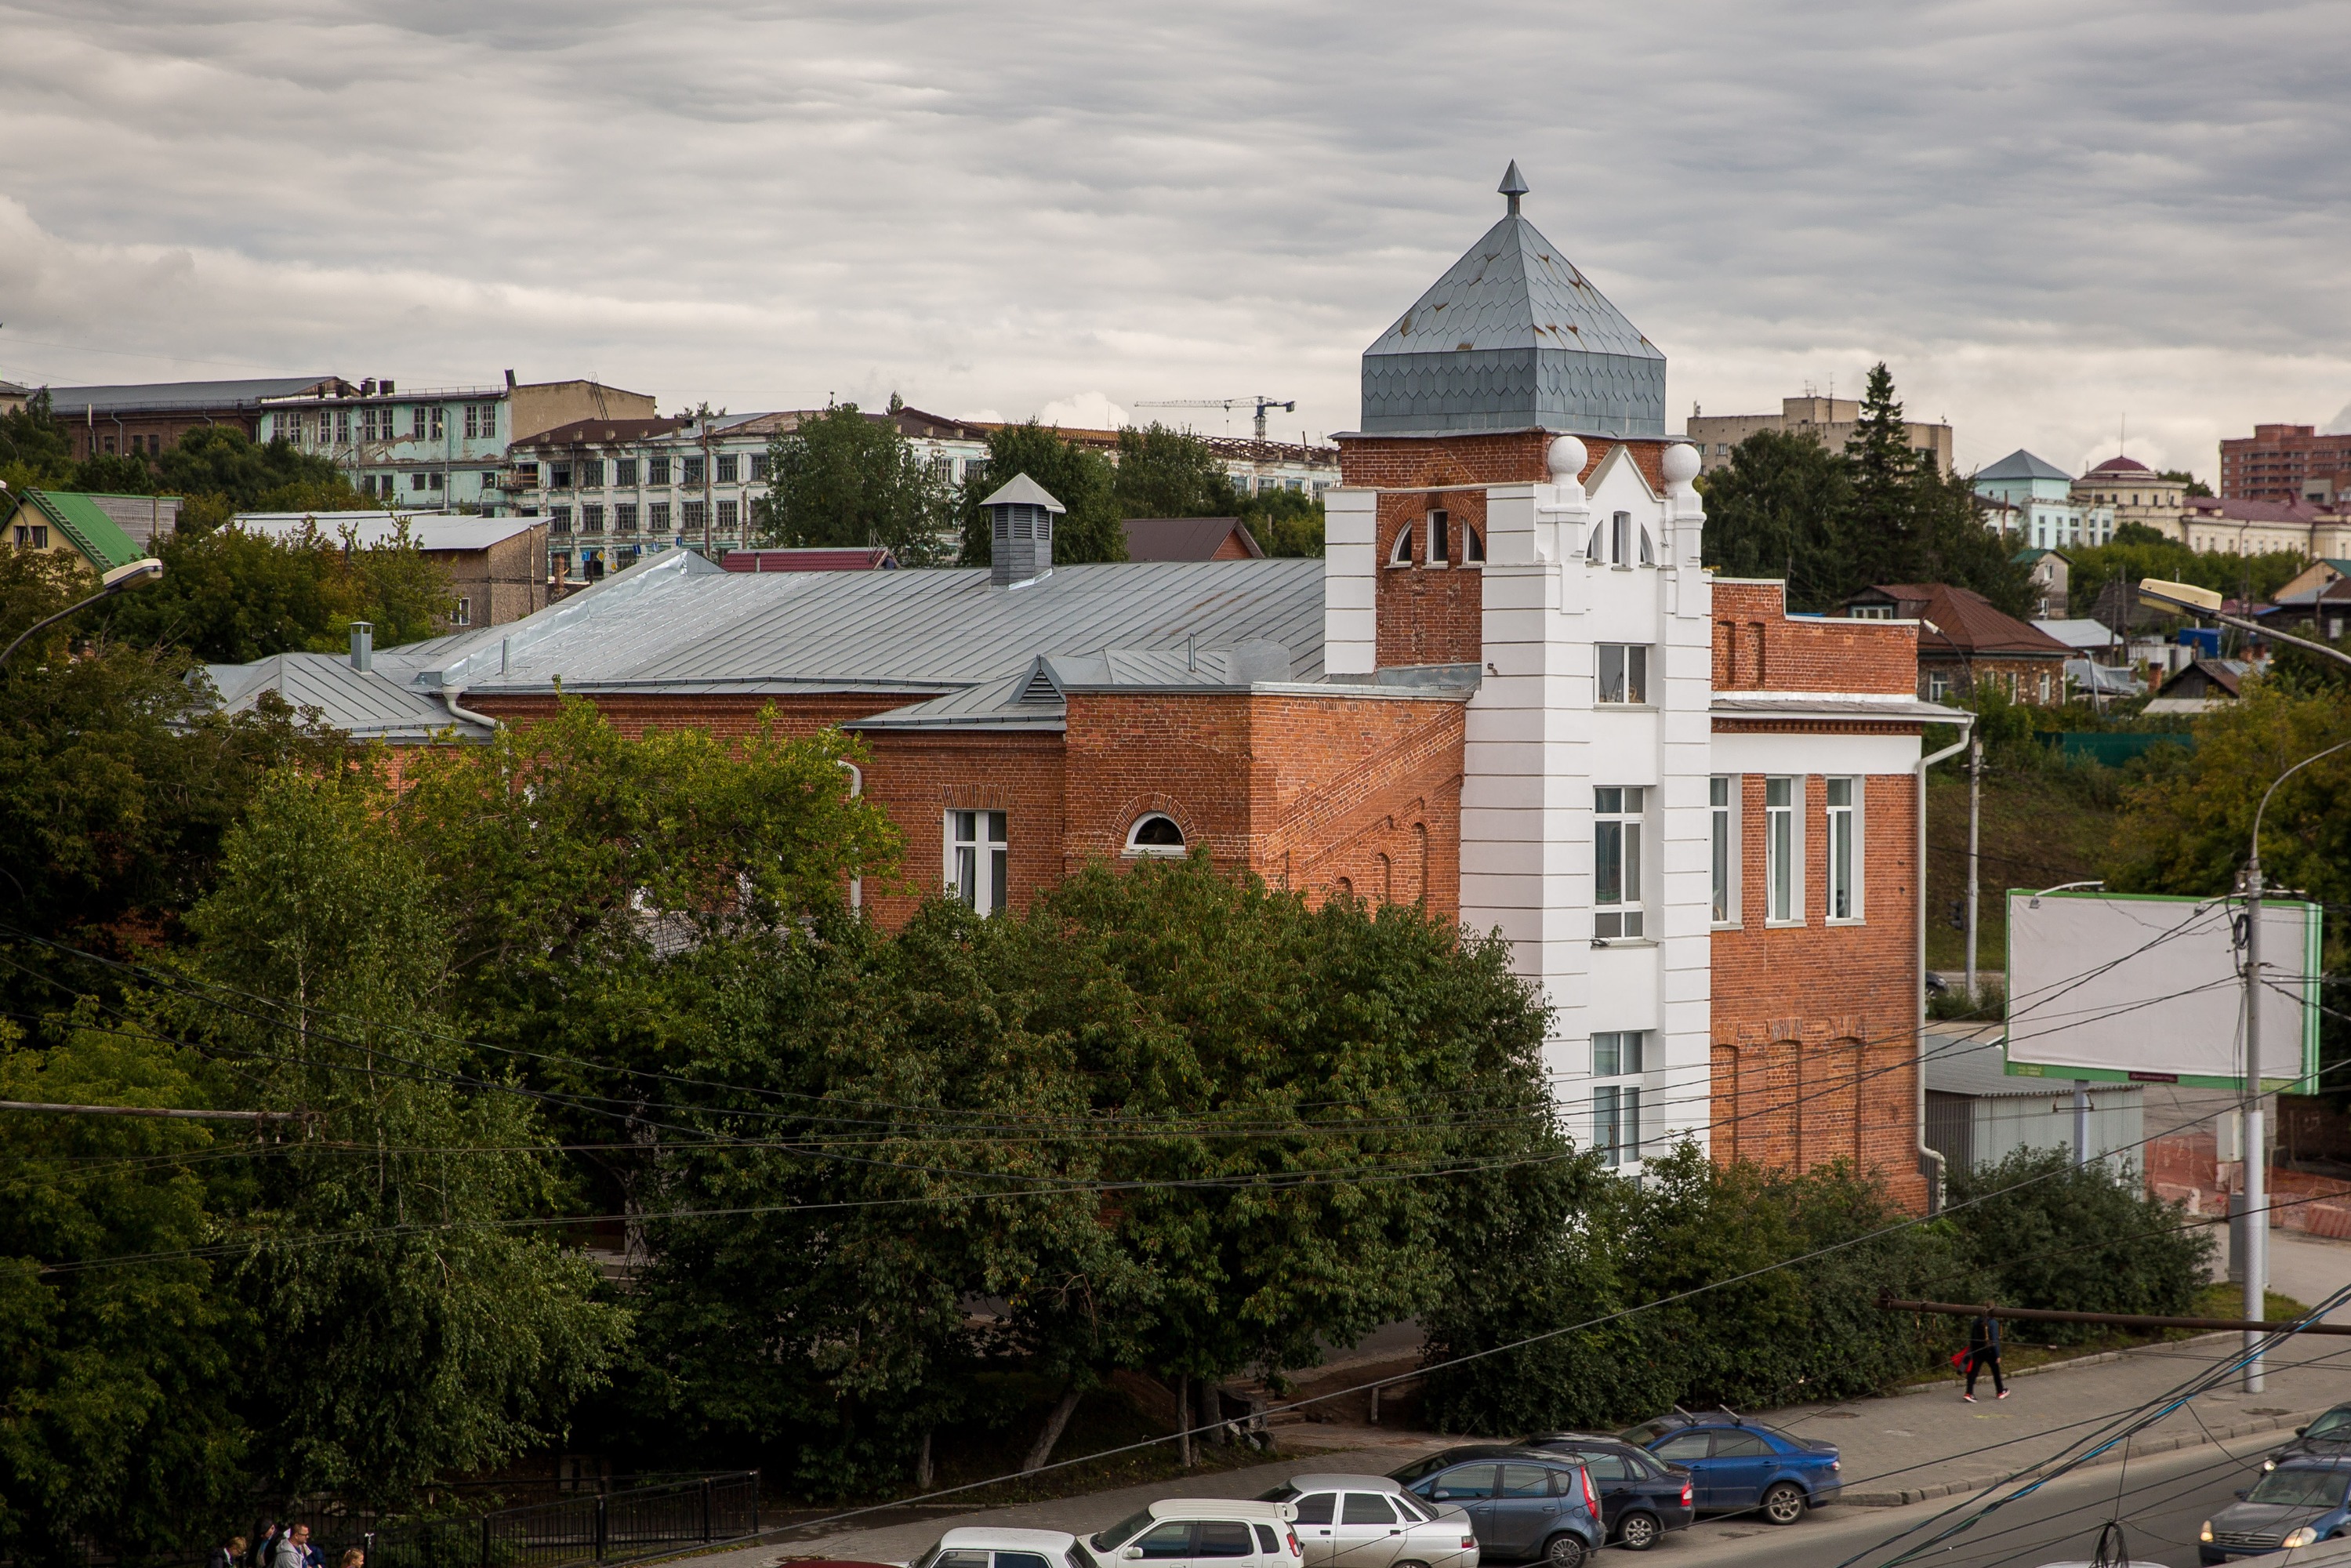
[[2046, 217]]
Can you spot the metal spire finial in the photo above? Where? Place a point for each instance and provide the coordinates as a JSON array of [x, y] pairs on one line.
[[1513, 185]]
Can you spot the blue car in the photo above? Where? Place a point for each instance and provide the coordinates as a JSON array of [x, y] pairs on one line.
[[1738, 1465], [2306, 1500], [1524, 1506]]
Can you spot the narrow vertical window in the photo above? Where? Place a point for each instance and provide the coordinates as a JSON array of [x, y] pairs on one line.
[[977, 859], [1400, 554], [1720, 795], [1779, 847], [1845, 849], [1440, 539], [1616, 1123], [1617, 862], [1620, 539]]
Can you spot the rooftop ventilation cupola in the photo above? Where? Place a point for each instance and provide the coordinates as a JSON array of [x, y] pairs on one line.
[[1019, 532], [1513, 336]]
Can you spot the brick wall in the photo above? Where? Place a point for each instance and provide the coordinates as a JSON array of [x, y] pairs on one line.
[[1311, 793], [1504, 457], [1758, 648], [1429, 614], [2021, 677], [1814, 1024]]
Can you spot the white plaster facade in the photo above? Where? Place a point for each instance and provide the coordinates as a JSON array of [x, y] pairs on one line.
[[1539, 743]]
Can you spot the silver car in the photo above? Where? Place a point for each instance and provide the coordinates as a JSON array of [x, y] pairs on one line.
[[1371, 1522]]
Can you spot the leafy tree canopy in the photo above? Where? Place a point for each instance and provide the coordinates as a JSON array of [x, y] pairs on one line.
[[217, 470], [846, 478], [2138, 551], [1834, 523], [1164, 473], [1079, 478], [2181, 476], [1284, 522]]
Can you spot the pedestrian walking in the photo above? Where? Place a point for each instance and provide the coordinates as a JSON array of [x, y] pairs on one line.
[[265, 1542], [230, 1554], [293, 1549], [1983, 1350], [352, 1558]]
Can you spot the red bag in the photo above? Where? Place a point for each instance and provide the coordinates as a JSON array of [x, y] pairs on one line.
[[1959, 1360]]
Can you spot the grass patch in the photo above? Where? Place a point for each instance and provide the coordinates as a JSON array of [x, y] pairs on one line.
[[2038, 827]]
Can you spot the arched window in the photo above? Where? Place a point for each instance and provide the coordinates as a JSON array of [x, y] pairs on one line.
[[1155, 833], [1473, 547], [1401, 554]]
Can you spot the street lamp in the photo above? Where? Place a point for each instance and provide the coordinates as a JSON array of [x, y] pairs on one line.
[[2157, 594], [131, 574]]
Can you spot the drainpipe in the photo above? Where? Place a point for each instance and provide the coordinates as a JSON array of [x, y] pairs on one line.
[[449, 694], [856, 787], [1930, 1161]]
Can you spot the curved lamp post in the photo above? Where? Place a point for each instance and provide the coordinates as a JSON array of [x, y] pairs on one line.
[[128, 575]]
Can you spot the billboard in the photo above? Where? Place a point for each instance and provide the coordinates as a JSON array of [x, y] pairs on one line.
[[2119, 987]]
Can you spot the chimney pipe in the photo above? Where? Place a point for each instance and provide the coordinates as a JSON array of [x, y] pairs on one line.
[[510, 381], [363, 644]]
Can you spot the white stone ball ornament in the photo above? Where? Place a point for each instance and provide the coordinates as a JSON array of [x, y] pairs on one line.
[[1679, 463], [1567, 457]]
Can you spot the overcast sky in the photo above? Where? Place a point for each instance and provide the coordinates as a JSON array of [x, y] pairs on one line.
[[2048, 217]]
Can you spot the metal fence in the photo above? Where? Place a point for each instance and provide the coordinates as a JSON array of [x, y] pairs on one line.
[[604, 1527]]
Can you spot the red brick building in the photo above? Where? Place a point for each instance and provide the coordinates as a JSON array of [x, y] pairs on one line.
[[2286, 463], [1511, 691]]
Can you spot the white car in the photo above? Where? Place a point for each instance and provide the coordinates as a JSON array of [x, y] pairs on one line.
[[980, 1547], [1371, 1522], [1202, 1532]]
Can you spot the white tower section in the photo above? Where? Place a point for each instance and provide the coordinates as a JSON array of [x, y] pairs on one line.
[[1580, 576]]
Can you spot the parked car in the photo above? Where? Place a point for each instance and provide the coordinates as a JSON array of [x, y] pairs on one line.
[[989, 1548], [2326, 1437], [1206, 1532], [1736, 1465], [1641, 1497], [1522, 1505], [2304, 1499], [1371, 1522]]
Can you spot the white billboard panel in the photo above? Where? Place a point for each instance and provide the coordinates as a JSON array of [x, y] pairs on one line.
[[2112, 985]]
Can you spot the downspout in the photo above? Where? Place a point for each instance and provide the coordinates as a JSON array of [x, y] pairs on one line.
[[856, 789], [449, 694], [1930, 1161]]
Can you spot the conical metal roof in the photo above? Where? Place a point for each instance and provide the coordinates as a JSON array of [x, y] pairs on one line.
[[1513, 335], [1023, 491]]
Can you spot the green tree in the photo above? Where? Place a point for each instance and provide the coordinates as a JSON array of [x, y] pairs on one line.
[[117, 1425], [1776, 509], [846, 478], [2138, 551], [1078, 477], [1879, 524], [1164, 473], [1284, 522], [410, 1331], [222, 462], [36, 453], [2181, 476], [2022, 1220]]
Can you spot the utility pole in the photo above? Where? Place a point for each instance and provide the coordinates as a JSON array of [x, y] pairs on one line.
[[2256, 1184], [1975, 817]]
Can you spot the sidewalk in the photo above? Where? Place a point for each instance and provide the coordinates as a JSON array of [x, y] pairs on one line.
[[1920, 1444]]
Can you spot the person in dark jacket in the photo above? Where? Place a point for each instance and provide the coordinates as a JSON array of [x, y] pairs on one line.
[[1983, 1350], [264, 1540], [229, 1554]]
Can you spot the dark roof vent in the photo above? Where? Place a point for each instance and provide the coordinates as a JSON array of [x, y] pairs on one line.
[[1019, 532]]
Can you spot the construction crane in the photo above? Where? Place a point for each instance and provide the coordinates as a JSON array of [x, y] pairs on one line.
[[1228, 405]]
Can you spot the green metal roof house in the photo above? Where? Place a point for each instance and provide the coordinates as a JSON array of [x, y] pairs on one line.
[[66, 520]]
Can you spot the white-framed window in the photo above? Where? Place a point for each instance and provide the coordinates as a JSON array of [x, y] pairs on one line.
[[1844, 822], [976, 860], [1617, 1055], [1616, 1123], [1620, 541], [1617, 862], [1400, 553], [1624, 673], [1939, 686], [1784, 849], [1156, 833], [1440, 539], [624, 471], [1722, 799], [1871, 612], [1473, 544], [464, 616]]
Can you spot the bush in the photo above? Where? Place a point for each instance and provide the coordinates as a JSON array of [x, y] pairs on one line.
[[2038, 1233]]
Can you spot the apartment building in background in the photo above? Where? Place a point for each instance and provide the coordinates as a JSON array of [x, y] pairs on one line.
[[613, 491], [2231, 525], [2287, 463], [1509, 693], [1828, 420], [435, 448]]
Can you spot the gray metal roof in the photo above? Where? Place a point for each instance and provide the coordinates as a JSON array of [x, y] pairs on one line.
[[1022, 491], [178, 394], [426, 530], [371, 704], [2021, 465], [1512, 336], [677, 621]]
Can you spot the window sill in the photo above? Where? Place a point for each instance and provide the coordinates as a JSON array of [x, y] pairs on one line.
[[1849, 920], [1623, 941], [1726, 926], [1153, 852], [1798, 923], [1624, 707]]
